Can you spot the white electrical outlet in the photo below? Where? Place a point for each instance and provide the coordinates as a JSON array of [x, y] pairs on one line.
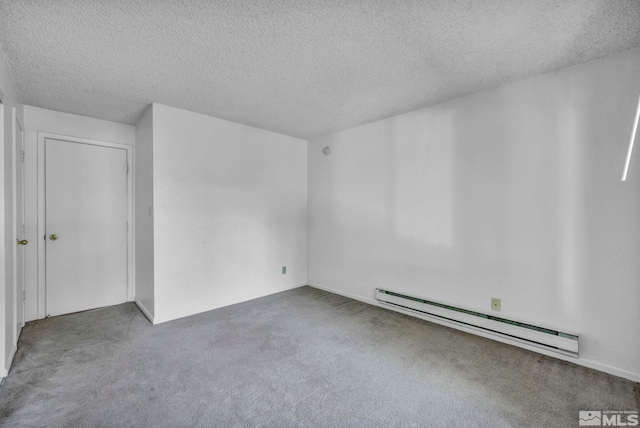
[[495, 304]]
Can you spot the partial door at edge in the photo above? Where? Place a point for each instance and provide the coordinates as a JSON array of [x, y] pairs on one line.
[[86, 226], [19, 223]]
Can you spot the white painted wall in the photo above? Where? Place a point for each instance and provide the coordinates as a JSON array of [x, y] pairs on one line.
[[143, 214], [512, 193], [230, 210], [38, 120], [12, 108]]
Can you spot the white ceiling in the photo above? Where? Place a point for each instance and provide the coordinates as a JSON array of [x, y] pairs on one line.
[[300, 67]]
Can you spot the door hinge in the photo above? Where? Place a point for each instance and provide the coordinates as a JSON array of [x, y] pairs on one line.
[[127, 168], [22, 155], [24, 295], [24, 230]]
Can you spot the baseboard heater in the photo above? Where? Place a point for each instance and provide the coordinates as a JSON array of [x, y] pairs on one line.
[[564, 343]]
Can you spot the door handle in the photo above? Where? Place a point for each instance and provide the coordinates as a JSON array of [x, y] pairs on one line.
[[22, 241], [53, 236]]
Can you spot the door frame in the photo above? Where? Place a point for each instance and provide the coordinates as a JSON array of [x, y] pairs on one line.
[[42, 136], [18, 164]]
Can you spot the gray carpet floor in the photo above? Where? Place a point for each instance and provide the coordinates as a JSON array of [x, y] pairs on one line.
[[303, 357]]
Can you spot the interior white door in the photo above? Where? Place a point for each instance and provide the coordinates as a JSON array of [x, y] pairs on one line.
[[20, 228], [86, 226]]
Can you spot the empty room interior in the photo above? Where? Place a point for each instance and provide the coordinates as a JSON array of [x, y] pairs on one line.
[[320, 213]]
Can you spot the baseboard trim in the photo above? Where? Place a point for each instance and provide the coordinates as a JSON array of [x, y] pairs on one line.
[[579, 361], [158, 319], [5, 370], [371, 301], [144, 310]]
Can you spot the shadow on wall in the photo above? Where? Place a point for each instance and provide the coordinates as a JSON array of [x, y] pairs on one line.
[[490, 195]]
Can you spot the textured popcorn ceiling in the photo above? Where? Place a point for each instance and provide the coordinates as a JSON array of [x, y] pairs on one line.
[[302, 67]]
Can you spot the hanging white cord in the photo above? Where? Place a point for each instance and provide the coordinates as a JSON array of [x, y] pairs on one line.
[[633, 138]]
